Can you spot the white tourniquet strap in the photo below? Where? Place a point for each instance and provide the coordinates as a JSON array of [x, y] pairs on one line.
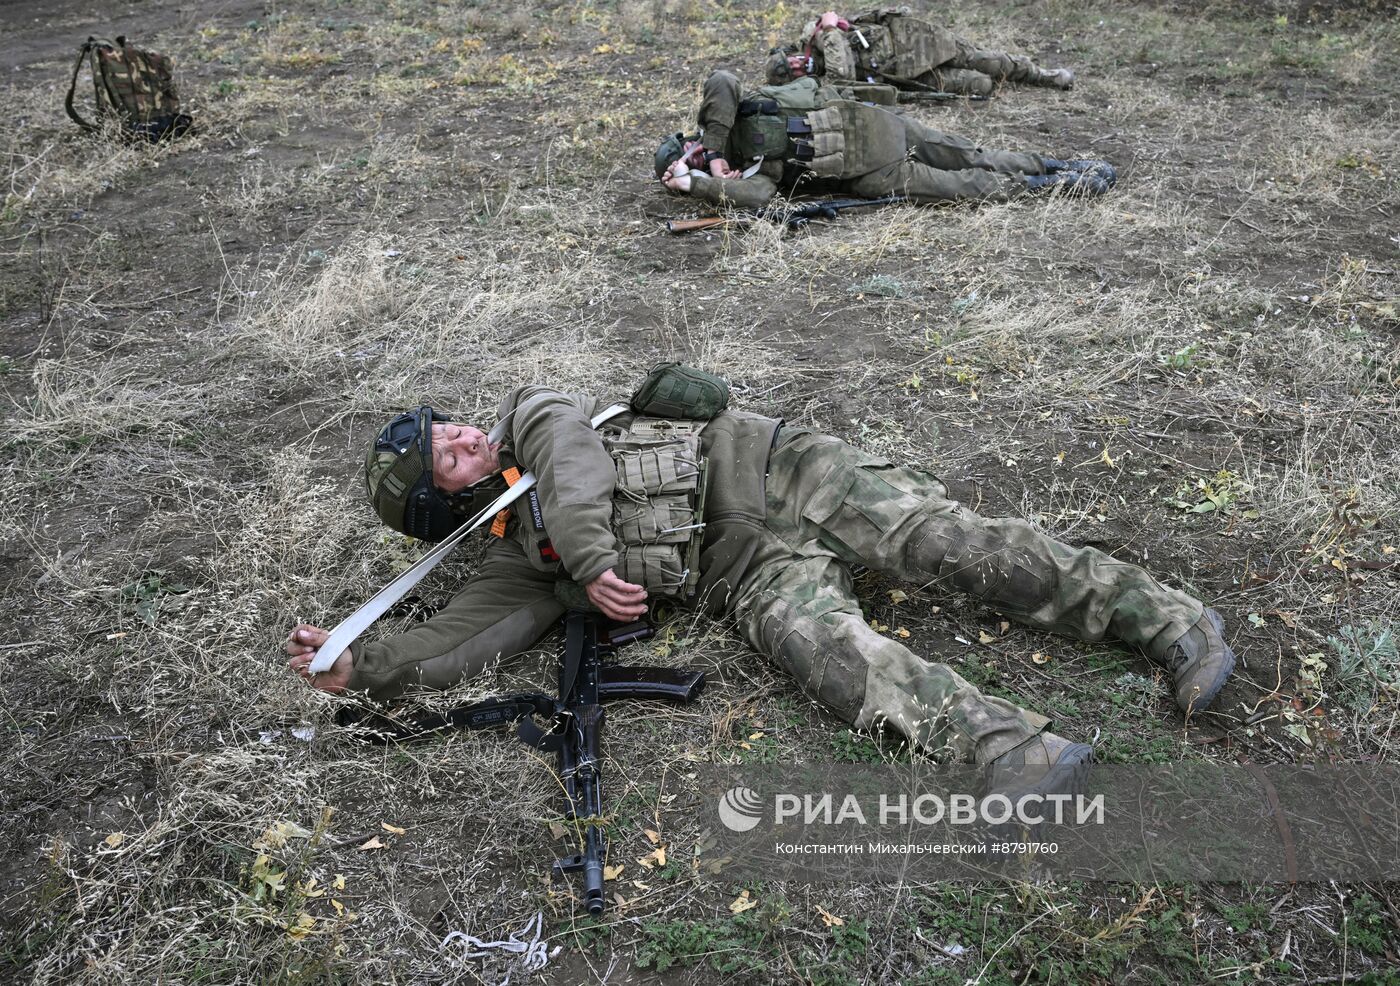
[[350, 628]]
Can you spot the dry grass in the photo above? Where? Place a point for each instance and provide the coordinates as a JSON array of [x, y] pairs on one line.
[[428, 202]]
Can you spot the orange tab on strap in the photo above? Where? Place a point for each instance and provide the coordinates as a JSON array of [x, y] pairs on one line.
[[512, 476], [498, 526]]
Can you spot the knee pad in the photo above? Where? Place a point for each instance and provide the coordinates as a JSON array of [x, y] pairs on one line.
[[982, 563]]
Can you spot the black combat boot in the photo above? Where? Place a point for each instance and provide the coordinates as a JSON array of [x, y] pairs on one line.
[[1082, 183], [1044, 764], [1199, 661]]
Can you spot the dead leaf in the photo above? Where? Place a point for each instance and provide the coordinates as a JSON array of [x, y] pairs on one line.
[[339, 883], [901, 632], [983, 637], [1107, 459], [115, 839], [1040, 658], [611, 872], [898, 596], [1003, 626], [304, 925], [557, 830], [755, 736], [653, 836], [829, 919], [392, 828], [277, 835], [657, 857], [373, 843], [742, 903]]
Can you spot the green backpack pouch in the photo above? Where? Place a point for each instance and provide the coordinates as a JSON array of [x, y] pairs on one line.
[[674, 390]]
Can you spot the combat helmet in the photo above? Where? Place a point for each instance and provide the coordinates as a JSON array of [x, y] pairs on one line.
[[399, 474], [671, 148], [777, 71]]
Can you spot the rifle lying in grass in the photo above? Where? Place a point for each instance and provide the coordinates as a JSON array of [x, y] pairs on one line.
[[575, 731], [794, 215], [922, 96]]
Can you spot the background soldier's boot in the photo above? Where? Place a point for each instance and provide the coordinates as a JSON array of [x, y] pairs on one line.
[[1043, 764], [1094, 166], [1057, 78], [1083, 183], [1199, 661]]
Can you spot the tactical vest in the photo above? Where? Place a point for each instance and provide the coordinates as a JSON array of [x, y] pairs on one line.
[[658, 506], [659, 503], [897, 45], [762, 126]]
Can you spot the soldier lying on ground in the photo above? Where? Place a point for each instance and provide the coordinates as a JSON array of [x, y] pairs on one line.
[[803, 134], [888, 45], [787, 512]]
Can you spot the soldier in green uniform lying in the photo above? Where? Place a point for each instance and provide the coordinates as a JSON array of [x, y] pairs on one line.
[[815, 139], [744, 517], [888, 45]]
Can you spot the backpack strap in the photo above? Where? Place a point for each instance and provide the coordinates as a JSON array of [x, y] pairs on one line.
[[83, 51]]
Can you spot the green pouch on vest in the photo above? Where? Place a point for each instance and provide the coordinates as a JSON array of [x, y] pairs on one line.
[[674, 390]]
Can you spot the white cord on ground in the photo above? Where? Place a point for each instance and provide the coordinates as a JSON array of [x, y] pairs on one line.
[[534, 956]]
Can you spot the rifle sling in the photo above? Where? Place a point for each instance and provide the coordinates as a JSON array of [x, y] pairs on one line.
[[349, 629]]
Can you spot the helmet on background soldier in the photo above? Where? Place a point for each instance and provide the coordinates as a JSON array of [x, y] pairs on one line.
[[670, 151], [785, 64], [399, 475]]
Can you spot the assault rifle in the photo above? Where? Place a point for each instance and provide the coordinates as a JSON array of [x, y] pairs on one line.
[[791, 214], [922, 96], [576, 726]]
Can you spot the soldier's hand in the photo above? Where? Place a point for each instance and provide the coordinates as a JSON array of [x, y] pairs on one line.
[[618, 600], [677, 177], [302, 644], [720, 168]]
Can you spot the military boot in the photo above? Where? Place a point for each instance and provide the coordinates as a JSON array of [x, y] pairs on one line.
[[1044, 764], [1084, 166], [1199, 661], [1077, 182], [1056, 78]]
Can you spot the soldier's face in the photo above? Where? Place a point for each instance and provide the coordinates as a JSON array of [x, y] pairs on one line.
[[797, 65], [462, 456]]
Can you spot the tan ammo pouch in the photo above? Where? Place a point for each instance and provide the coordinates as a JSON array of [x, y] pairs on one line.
[[852, 139], [658, 505]]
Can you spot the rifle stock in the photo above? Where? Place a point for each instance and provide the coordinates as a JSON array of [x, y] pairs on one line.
[[692, 225]]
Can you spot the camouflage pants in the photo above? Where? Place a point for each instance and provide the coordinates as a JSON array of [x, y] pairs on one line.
[[831, 505], [941, 167], [976, 71]]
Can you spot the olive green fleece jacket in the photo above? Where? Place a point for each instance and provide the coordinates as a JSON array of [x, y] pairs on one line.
[[550, 434]]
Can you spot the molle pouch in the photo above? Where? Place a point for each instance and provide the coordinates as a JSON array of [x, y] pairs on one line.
[[674, 390], [878, 53], [660, 568], [654, 520], [652, 467]]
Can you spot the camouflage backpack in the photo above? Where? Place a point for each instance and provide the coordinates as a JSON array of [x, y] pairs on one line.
[[134, 86]]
